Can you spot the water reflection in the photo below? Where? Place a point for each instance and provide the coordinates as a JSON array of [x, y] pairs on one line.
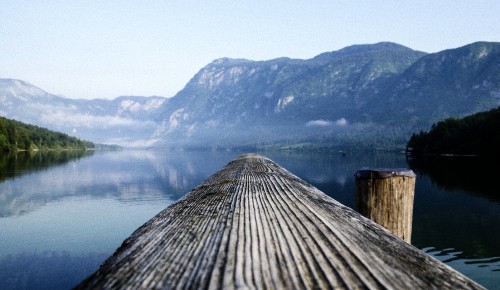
[[31, 270], [59, 218], [457, 203], [456, 209], [14, 164], [457, 213], [125, 175], [66, 213], [333, 173], [451, 255], [485, 271], [472, 174], [17, 198]]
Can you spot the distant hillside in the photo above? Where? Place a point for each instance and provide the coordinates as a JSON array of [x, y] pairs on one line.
[[16, 136], [473, 135], [451, 83], [362, 96], [235, 101], [371, 96], [127, 120]]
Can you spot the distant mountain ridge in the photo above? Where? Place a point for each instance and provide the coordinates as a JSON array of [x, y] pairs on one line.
[[128, 120], [451, 83], [373, 95], [361, 96]]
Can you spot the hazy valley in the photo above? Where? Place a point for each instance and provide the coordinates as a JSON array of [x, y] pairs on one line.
[[362, 96]]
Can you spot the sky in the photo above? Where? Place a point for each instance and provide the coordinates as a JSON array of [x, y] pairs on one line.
[[105, 49]]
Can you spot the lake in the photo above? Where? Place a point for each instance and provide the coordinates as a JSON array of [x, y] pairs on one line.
[[62, 214]]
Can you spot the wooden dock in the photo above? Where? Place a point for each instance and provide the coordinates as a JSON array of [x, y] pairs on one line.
[[254, 225]]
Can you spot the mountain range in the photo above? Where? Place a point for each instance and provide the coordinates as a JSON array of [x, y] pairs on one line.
[[127, 121], [362, 96]]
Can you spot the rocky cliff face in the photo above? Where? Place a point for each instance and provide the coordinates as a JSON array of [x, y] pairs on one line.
[[369, 95], [282, 98]]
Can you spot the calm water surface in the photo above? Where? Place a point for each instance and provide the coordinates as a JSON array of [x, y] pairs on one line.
[[61, 215]]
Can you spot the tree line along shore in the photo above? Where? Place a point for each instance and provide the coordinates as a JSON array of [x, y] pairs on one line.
[[18, 136], [476, 134]]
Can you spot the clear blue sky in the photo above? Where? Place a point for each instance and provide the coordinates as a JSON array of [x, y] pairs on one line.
[[104, 49]]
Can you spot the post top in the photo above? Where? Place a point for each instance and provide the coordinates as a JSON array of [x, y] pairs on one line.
[[381, 173]]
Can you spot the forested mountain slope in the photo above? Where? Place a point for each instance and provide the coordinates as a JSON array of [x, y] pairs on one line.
[[369, 96], [477, 134], [15, 136]]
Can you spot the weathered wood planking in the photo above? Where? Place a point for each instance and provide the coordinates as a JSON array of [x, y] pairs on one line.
[[254, 225]]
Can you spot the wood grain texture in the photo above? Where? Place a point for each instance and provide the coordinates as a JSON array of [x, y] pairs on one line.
[[386, 197], [254, 225]]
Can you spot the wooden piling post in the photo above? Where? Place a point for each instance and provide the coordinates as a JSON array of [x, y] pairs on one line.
[[386, 197], [254, 225]]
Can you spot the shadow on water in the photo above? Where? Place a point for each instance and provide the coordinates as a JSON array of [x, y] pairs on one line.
[[456, 209], [471, 174], [13, 164], [48, 270], [457, 205], [457, 214]]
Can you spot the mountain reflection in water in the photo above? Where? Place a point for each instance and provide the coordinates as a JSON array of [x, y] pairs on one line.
[[77, 212], [475, 175], [15, 197], [14, 164]]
